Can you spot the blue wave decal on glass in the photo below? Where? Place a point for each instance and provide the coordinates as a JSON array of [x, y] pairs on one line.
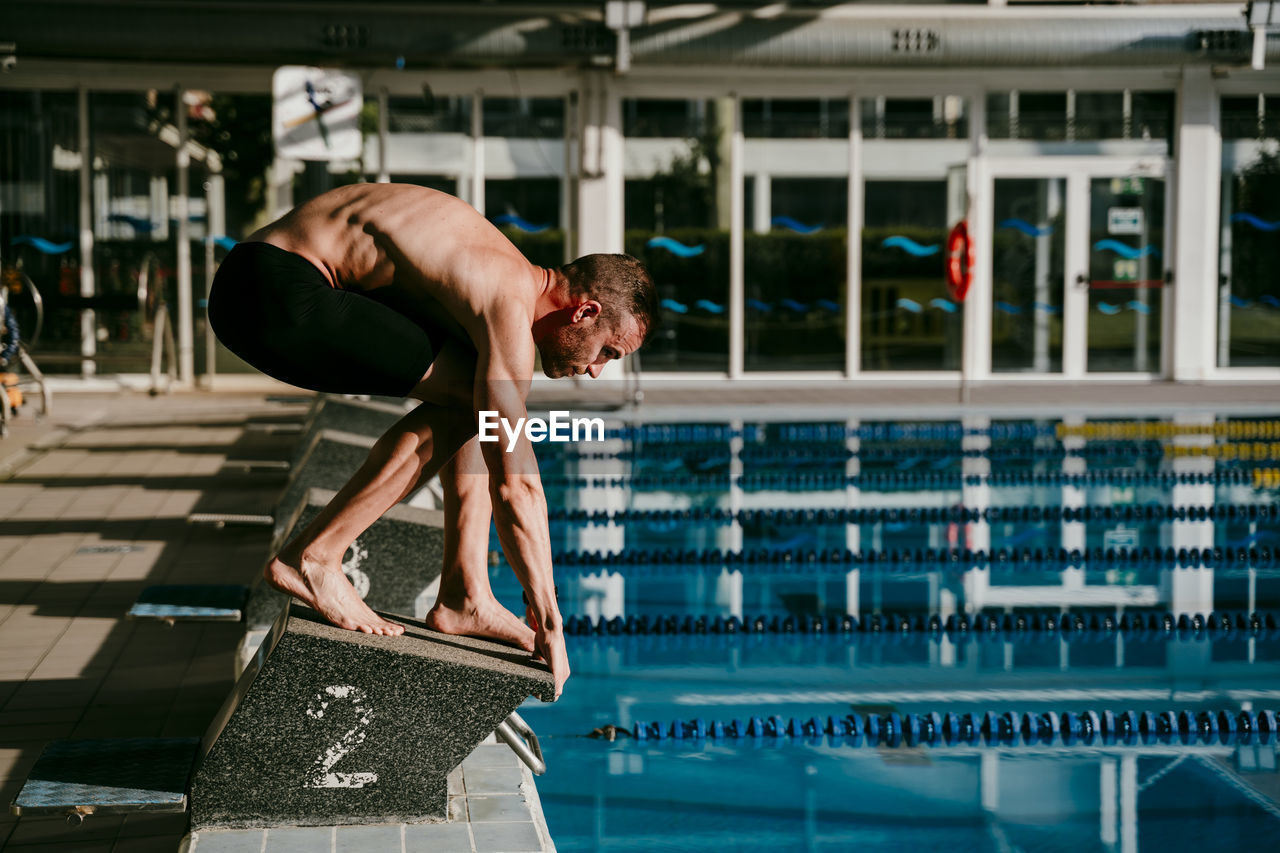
[[908, 463], [1260, 224], [675, 247], [1047, 308], [709, 306], [943, 463], [911, 247], [757, 305], [792, 305], [137, 223], [795, 225], [1129, 253], [1135, 305], [517, 221], [1241, 302], [828, 305], [223, 241], [1252, 538], [1109, 310], [1026, 227], [42, 245], [1007, 308], [943, 305], [672, 305], [909, 305], [1270, 300]]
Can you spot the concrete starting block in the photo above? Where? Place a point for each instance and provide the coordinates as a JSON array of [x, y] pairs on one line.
[[327, 461], [369, 418], [395, 564], [337, 727]]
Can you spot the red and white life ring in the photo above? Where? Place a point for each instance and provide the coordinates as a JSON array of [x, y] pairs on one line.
[[959, 261]]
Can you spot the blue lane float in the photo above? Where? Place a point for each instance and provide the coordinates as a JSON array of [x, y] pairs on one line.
[[1033, 626], [675, 247], [910, 560], [516, 221], [1129, 253], [911, 247], [43, 246], [915, 516], [1025, 227], [1082, 728], [795, 225]]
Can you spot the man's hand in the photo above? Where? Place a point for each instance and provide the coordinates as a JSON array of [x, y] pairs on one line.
[[549, 645]]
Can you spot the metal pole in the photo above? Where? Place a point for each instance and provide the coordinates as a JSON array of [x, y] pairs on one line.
[[215, 203], [186, 322], [737, 284], [88, 326]]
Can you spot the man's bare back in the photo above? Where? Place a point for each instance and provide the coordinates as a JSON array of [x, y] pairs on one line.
[[436, 250]]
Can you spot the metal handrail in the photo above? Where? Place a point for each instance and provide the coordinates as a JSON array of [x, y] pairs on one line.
[[515, 733]]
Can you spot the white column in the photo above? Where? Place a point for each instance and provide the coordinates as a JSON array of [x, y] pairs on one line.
[[762, 204], [477, 151], [975, 357], [1224, 277], [1075, 298], [853, 248], [384, 131], [1052, 207], [88, 325], [566, 178], [1129, 803], [1195, 236], [737, 281], [215, 204], [600, 167], [186, 319]]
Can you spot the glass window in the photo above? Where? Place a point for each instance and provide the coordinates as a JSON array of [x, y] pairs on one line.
[[1027, 275], [941, 117], [826, 118], [677, 222], [1249, 292], [1081, 116], [39, 211], [524, 174], [908, 320], [795, 256]]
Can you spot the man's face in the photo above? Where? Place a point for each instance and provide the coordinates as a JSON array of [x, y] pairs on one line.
[[585, 343]]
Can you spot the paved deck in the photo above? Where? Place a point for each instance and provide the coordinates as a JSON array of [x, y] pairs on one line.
[[93, 508]]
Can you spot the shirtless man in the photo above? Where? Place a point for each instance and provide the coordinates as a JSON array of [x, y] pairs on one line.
[[404, 291]]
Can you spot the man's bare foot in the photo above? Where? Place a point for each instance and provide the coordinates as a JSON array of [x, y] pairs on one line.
[[482, 618], [327, 590]]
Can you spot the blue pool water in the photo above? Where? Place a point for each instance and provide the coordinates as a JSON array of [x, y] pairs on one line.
[[796, 525]]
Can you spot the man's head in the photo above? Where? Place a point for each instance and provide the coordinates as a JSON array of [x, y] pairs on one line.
[[612, 309]]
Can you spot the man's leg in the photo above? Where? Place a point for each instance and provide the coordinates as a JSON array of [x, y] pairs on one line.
[[310, 567], [466, 604]]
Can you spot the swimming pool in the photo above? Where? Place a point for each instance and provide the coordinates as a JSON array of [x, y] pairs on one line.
[[961, 635]]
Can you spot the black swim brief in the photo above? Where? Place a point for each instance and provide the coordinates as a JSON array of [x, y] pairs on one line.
[[279, 313]]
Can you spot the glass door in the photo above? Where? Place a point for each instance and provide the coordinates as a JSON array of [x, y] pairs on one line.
[[1077, 265]]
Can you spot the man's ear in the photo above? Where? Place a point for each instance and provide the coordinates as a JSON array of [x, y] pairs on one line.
[[587, 309]]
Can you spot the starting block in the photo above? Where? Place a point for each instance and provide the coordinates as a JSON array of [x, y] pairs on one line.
[[326, 461], [338, 727]]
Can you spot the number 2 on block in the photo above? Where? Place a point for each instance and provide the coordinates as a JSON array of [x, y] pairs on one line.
[[321, 774]]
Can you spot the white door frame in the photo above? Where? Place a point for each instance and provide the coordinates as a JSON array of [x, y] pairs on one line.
[[1077, 171]]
